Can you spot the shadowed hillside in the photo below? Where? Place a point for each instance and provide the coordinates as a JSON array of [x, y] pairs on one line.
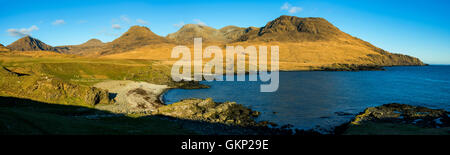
[[28, 117]]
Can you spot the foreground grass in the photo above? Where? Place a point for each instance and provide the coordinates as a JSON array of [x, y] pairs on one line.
[[22, 116]]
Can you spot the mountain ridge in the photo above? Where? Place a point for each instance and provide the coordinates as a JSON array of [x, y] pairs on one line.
[[303, 42]]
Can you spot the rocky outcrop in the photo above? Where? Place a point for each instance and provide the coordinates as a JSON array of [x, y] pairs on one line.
[[404, 114], [397, 119], [28, 43], [210, 111]]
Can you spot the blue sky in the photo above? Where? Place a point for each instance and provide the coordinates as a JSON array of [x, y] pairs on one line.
[[417, 28]]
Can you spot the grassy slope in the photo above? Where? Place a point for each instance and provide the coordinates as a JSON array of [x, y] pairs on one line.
[[292, 55], [86, 71]]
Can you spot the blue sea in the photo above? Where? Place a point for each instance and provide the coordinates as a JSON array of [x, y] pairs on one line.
[[322, 100]]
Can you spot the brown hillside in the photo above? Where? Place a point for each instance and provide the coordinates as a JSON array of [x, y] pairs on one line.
[[28, 43], [295, 29], [304, 43], [135, 37], [302, 30]]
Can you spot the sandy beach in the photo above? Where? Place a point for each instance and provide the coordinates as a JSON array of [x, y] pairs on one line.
[[132, 97]]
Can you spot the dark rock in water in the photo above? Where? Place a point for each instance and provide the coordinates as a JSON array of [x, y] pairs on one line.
[[287, 126], [351, 67], [341, 113], [404, 114]]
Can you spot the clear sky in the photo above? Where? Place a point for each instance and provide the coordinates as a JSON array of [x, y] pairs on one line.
[[420, 28]]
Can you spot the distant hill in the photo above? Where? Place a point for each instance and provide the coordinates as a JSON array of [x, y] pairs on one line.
[[90, 46], [92, 42], [3, 48], [28, 43], [135, 37], [188, 32]]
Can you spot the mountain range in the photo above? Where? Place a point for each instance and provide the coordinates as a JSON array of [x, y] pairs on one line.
[[305, 44]]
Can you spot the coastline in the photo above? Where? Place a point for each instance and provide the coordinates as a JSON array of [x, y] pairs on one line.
[[204, 127], [383, 103]]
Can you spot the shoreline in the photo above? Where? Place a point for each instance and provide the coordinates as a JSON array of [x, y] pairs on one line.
[[161, 96]]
